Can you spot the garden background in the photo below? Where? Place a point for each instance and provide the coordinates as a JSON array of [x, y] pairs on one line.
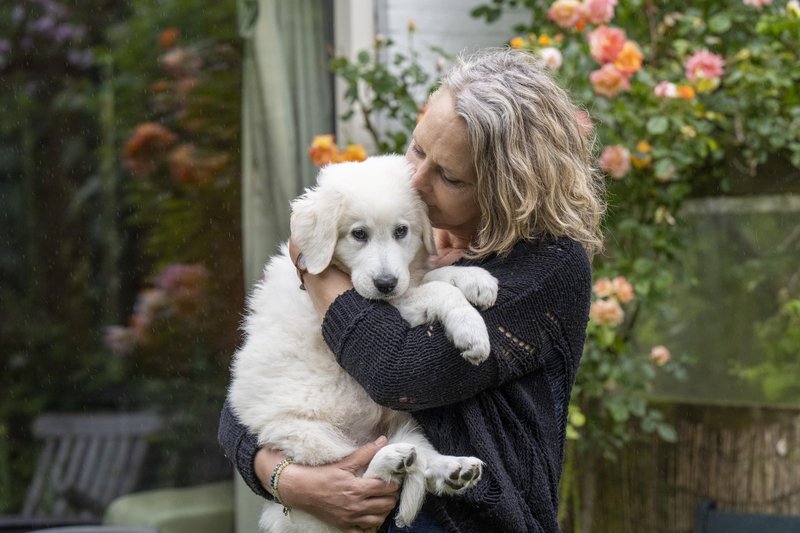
[[131, 161]]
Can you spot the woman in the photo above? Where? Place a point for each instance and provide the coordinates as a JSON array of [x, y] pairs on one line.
[[505, 169]]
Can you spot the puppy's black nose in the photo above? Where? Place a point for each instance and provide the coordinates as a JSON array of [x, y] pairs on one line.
[[385, 283]]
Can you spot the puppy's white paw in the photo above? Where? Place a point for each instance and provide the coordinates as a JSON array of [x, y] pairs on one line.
[[393, 462], [452, 475], [468, 332], [477, 285]]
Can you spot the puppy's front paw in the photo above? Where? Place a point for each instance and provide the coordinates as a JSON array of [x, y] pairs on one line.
[[392, 462], [468, 332], [477, 285], [452, 475]]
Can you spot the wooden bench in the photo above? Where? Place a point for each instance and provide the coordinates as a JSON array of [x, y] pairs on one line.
[[86, 461], [708, 519]]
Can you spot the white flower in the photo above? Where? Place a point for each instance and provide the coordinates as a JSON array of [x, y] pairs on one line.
[[552, 57]]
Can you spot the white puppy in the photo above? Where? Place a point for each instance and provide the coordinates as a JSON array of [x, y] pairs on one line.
[[286, 385]]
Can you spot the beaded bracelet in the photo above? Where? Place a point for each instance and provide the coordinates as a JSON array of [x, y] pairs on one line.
[[275, 479]]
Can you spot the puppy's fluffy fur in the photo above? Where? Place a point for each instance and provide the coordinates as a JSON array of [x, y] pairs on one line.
[[287, 387]]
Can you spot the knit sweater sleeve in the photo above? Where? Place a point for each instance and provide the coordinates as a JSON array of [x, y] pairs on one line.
[[240, 447], [539, 317]]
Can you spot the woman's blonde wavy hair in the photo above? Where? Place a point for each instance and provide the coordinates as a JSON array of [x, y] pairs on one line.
[[534, 165]]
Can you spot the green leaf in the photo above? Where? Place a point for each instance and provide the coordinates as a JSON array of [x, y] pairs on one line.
[[719, 23], [667, 432], [657, 125]]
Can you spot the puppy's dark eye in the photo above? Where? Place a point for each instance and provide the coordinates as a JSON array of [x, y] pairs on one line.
[[359, 234], [400, 232]]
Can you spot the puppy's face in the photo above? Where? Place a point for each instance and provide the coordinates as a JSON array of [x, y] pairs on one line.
[[365, 218], [378, 249]]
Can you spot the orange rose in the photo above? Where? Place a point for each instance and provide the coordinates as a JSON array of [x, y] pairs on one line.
[[629, 59]]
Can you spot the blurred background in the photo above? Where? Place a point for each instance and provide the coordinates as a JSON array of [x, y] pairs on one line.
[[149, 150]]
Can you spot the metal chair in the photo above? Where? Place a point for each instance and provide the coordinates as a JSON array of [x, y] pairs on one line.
[[708, 519], [87, 461]]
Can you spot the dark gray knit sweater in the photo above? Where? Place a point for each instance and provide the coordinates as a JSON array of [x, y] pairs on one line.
[[509, 411]]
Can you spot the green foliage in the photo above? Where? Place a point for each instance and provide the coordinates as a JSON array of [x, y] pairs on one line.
[[378, 89], [77, 244], [779, 339]]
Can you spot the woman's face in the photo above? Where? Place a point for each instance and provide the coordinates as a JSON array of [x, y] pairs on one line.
[[444, 174]]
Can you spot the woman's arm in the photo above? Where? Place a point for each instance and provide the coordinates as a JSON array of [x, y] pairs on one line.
[[333, 493], [539, 320]]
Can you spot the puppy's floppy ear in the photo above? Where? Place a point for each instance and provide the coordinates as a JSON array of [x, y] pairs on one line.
[[315, 226]]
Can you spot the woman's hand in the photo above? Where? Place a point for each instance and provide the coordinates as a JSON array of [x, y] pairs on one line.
[[335, 493]]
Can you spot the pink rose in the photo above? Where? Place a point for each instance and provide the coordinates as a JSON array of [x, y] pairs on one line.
[[599, 11], [758, 4], [608, 81], [606, 43], [566, 13], [607, 313], [552, 57], [622, 289], [666, 89], [616, 161], [659, 355], [603, 287], [704, 65]]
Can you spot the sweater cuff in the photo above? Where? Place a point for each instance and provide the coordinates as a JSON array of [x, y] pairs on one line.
[[342, 316], [246, 449]]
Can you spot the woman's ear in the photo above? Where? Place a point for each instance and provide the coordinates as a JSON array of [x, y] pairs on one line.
[[315, 226]]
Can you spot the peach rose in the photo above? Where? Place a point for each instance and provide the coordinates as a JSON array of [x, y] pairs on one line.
[[615, 161], [607, 312], [599, 11], [629, 59], [686, 92], [566, 13], [608, 81], [606, 43], [603, 288], [758, 4], [623, 289], [659, 355], [704, 65]]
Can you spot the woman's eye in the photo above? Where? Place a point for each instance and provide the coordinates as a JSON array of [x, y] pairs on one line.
[[417, 151], [359, 234], [400, 232], [451, 182]]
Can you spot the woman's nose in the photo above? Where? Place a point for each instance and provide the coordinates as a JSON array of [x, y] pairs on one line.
[[419, 179]]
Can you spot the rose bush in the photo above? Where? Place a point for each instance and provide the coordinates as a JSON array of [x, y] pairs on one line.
[[682, 100]]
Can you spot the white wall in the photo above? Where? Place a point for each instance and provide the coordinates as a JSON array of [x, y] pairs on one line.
[[444, 23], [441, 23]]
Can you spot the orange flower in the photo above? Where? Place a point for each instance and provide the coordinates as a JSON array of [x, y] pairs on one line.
[[323, 150], [145, 146], [353, 152], [544, 40], [168, 38], [517, 42], [188, 168], [629, 59], [686, 92], [641, 158]]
